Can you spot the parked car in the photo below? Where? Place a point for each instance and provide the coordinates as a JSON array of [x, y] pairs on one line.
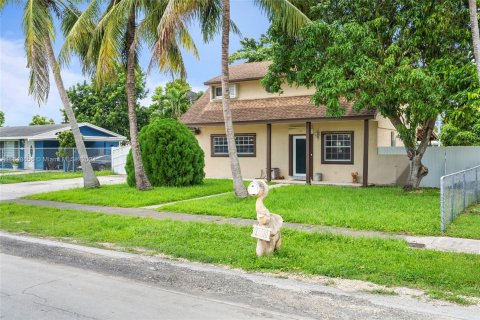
[[99, 163]]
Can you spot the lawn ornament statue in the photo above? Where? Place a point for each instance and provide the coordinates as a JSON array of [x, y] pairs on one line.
[[267, 231]]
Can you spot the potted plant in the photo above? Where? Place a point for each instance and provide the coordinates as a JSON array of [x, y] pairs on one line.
[[14, 163]]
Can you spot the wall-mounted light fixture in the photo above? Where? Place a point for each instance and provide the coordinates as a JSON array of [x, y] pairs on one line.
[[196, 131]]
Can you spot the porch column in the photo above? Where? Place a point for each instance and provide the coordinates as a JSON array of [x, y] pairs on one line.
[[308, 129], [269, 151], [365, 152]]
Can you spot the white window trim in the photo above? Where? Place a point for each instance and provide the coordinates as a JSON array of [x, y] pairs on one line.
[[233, 92], [240, 154]]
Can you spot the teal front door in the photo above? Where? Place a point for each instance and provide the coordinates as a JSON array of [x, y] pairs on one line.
[[299, 156]]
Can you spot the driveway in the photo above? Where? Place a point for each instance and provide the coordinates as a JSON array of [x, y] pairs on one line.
[[18, 190]]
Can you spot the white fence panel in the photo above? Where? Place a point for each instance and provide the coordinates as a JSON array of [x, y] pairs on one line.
[[441, 161], [119, 159]]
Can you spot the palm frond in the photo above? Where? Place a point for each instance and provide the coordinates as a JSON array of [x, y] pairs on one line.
[[78, 28], [38, 28], [4, 3], [283, 13]]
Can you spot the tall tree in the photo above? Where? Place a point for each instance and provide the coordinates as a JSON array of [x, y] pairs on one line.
[[173, 101], [39, 31], [472, 4], [253, 50], [106, 38], [400, 57], [282, 13], [107, 108], [40, 120], [2, 118]]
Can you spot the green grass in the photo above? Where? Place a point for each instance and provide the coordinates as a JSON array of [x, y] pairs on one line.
[[121, 195], [386, 262], [386, 209], [384, 292], [466, 225], [47, 175]]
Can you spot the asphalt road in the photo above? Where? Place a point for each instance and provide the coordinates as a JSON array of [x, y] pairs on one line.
[[43, 279], [37, 290]]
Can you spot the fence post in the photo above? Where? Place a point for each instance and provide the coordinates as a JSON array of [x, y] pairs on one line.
[[73, 159], [464, 191], [476, 184], [452, 198], [442, 204]]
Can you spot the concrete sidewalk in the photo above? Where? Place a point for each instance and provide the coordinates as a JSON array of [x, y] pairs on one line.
[[436, 243], [18, 190]]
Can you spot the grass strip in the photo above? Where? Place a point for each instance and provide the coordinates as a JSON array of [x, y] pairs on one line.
[[121, 195], [386, 262], [48, 175], [386, 209]]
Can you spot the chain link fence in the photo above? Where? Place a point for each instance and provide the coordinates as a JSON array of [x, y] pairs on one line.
[[53, 159], [458, 191]]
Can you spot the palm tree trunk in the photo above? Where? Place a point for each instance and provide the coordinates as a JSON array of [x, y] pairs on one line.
[[141, 179], [475, 33], [89, 178], [238, 186]]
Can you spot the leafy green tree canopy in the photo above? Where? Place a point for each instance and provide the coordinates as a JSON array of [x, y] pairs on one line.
[[253, 50], [40, 120], [107, 107], [66, 142], [461, 125], [401, 57], [2, 118], [172, 101]]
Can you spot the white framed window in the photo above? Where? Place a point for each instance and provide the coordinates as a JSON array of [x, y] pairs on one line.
[[217, 91], [9, 150], [246, 145], [337, 147]]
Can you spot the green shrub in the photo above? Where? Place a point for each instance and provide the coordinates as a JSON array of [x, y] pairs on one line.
[[170, 153]]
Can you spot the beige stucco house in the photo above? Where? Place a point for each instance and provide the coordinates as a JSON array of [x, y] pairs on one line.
[[271, 129]]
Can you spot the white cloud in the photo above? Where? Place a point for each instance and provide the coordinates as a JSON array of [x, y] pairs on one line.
[[18, 106]]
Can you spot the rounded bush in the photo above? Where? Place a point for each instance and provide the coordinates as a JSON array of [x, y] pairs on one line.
[[170, 153]]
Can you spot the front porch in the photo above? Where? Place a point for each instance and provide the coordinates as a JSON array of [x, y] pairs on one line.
[[337, 149]]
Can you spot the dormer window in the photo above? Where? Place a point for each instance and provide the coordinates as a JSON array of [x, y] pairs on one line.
[[217, 91]]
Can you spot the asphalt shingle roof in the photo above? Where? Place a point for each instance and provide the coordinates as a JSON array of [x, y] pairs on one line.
[[205, 111], [29, 131], [244, 72]]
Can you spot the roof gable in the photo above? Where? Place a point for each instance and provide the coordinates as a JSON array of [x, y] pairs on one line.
[[243, 72]]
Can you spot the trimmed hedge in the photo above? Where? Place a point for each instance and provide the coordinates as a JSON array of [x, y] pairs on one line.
[[171, 155]]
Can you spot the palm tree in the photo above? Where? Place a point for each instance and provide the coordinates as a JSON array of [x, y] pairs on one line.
[[282, 12], [472, 4], [39, 31], [104, 40]]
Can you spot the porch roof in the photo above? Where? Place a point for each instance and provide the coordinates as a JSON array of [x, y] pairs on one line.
[[277, 109]]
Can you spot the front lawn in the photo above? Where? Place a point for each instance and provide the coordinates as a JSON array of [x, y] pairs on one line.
[[46, 175], [387, 209], [121, 195], [466, 225], [382, 261]]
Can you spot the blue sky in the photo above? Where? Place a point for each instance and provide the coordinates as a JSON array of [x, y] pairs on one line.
[[19, 107]]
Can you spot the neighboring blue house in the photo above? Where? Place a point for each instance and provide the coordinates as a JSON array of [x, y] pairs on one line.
[[35, 147]]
